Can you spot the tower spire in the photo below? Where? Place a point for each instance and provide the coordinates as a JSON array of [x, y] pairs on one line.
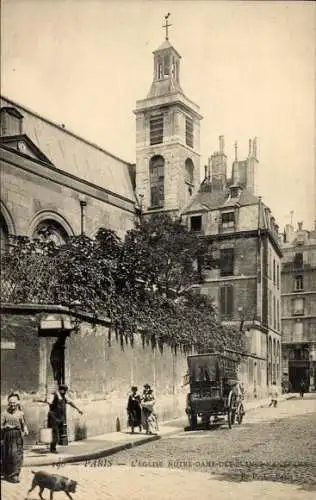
[[167, 25]]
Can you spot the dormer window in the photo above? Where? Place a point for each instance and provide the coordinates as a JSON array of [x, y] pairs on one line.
[[234, 191], [196, 223], [10, 121], [228, 220]]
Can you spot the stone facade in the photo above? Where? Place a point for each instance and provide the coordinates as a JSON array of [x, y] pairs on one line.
[[299, 307], [40, 186], [168, 128], [245, 282]]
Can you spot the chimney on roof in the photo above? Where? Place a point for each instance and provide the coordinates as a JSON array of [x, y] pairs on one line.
[[221, 144], [300, 226], [250, 148], [252, 167], [209, 169], [218, 161], [254, 148]]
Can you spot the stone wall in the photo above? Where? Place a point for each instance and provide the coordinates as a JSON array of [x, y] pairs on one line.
[[99, 372]]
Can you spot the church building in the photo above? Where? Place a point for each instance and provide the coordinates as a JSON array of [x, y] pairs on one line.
[[167, 138], [55, 184]]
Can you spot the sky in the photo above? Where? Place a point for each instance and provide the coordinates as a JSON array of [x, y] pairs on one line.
[[250, 66]]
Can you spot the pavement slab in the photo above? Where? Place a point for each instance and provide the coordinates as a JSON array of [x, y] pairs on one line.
[[110, 443]]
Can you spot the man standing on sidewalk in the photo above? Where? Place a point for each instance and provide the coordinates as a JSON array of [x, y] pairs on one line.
[[302, 388], [57, 414], [274, 395]]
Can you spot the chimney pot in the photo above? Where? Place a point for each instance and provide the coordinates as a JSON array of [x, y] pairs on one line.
[[254, 148], [250, 145], [236, 150], [221, 144]]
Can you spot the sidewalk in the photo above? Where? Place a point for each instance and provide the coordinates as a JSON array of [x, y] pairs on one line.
[[103, 446]]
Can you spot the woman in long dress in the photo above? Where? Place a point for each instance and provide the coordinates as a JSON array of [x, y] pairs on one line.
[[134, 410], [149, 416], [13, 428]]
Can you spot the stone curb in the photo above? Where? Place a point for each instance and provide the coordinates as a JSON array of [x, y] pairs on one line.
[[103, 453], [84, 457]]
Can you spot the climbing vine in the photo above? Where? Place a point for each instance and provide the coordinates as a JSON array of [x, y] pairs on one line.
[[142, 283]]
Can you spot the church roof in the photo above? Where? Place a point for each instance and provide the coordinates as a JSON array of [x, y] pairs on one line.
[[165, 87], [166, 45], [75, 155]]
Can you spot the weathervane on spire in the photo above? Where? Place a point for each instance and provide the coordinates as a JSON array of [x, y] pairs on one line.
[[167, 25]]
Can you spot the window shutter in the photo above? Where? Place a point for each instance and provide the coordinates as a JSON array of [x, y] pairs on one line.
[[227, 262], [230, 300], [298, 261], [227, 300], [223, 300]]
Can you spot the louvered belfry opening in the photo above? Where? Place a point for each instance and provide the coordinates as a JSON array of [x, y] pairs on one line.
[[156, 129]]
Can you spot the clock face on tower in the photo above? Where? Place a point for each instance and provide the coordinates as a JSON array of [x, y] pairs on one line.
[[21, 147]]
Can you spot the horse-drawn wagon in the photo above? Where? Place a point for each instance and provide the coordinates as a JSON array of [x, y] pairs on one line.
[[215, 392]]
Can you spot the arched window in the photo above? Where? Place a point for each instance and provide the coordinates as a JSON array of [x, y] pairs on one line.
[[50, 230], [157, 177], [189, 172], [4, 234]]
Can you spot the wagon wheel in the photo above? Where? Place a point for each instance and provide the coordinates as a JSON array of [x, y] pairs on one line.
[[240, 413], [231, 410], [192, 421]]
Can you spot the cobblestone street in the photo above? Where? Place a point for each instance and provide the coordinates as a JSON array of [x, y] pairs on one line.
[[271, 455]]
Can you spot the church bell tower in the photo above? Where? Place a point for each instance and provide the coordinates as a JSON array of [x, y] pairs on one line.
[[167, 137]]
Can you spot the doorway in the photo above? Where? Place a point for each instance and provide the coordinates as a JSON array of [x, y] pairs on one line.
[[298, 368]]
